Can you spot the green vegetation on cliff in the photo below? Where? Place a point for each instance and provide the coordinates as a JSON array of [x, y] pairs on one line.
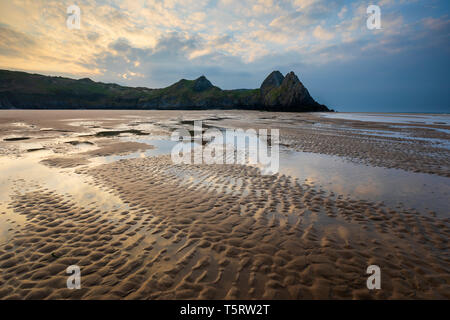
[[33, 91]]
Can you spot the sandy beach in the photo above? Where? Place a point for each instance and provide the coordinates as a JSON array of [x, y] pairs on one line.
[[98, 189]]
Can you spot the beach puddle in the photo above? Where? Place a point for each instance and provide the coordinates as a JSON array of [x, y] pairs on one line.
[[26, 174], [394, 187], [203, 226], [429, 119], [161, 147], [335, 175], [423, 192]]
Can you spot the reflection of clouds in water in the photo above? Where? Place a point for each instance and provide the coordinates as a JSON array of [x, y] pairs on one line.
[[369, 188], [410, 132], [33, 173], [336, 175], [442, 119], [26, 174]]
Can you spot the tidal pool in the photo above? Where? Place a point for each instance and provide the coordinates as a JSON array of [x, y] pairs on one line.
[[26, 174], [420, 191], [424, 192]]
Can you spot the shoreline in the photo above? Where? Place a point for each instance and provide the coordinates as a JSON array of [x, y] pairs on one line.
[[145, 228]]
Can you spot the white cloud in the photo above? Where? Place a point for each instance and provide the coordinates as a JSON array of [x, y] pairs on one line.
[[342, 13], [135, 37], [322, 34]]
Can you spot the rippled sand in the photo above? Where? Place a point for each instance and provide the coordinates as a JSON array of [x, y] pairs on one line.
[[145, 228]]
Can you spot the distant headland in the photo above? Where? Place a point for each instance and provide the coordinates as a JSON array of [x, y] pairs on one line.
[[23, 90]]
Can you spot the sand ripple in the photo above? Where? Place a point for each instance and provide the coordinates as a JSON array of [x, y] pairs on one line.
[[219, 231]]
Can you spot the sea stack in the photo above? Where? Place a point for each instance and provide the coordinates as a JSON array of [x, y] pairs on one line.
[[279, 93]]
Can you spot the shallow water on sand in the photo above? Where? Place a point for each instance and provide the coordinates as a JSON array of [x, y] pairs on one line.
[[423, 192], [440, 119], [26, 174], [335, 175], [149, 228]]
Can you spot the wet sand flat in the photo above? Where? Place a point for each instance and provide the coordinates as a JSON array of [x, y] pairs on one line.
[[141, 227]]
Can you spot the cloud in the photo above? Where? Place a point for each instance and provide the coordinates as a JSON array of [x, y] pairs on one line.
[[437, 24], [303, 4], [322, 34], [153, 42], [13, 42], [342, 13]]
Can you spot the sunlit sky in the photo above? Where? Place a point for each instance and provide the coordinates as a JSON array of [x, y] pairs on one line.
[[236, 43]]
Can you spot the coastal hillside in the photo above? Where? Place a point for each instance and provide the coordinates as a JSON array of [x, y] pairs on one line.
[[34, 91]]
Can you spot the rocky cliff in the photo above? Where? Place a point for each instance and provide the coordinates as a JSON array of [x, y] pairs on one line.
[[287, 94], [33, 91]]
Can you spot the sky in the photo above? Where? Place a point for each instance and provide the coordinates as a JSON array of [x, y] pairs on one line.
[[401, 67]]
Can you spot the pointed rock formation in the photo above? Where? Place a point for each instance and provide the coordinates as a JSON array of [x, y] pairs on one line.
[[295, 93], [202, 84], [33, 91], [274, 80], [289, 95]]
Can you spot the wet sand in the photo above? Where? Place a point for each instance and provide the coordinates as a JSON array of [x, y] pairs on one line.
[[145, 228]]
